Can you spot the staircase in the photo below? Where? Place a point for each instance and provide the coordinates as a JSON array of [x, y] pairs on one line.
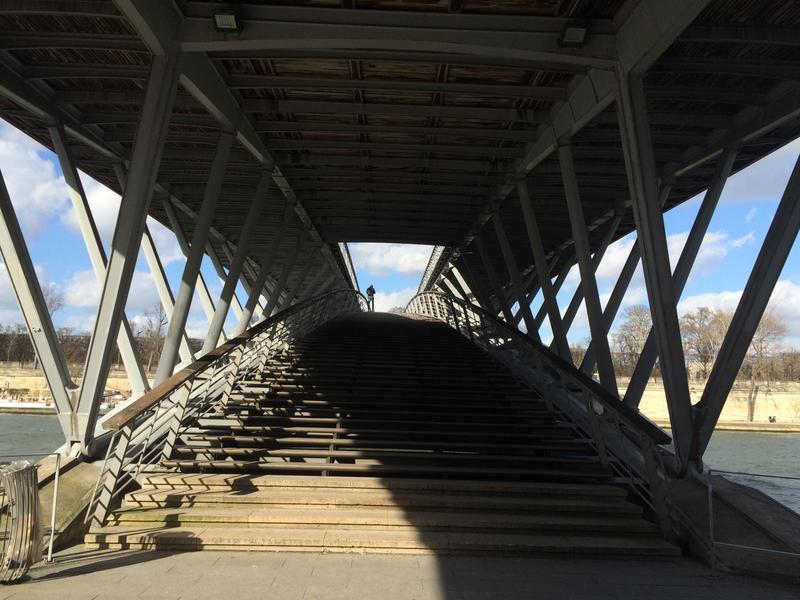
[[382, 433]]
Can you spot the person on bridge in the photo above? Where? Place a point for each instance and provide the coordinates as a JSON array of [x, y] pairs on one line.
[[371, 298]]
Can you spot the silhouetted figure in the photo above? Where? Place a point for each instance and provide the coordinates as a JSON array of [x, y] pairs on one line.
[[371, 298]]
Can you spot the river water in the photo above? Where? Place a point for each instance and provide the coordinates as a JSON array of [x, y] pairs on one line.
[[761, 453]]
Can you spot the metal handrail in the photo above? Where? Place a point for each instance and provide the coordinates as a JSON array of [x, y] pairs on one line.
[[631, 417], [713, 542], [155, 395], [146, 432], [626, 442]]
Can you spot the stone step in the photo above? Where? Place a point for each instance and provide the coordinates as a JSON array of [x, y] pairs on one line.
[[197, 437], [324, 539], [335, 500], [378, 454], [380, 517], [445, 487], [378, 469]]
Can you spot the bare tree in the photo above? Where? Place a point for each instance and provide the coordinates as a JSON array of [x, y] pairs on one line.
[[629, 338], [151, 333], [53, 298], [703, 331]]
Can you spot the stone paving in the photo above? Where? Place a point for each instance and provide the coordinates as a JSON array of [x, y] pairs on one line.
[[86, 575]]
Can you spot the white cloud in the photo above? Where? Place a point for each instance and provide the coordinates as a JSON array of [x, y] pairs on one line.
[[381, 259], [750, 215], [36, 190], [82, 291], [783, 302], [387, 301], [764, 180], [169, 251], [104, 207], [745, 240]]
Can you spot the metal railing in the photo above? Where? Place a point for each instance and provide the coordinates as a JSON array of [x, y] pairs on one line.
[[717, 545], [626, 442], [21, 532], [145, 432]]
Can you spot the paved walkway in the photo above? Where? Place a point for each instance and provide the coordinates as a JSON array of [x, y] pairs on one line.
[[85, 575]]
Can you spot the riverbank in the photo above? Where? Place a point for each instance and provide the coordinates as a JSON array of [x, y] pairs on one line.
[[746, 426]]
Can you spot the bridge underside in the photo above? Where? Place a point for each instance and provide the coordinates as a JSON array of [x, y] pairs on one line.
[[518, 138]]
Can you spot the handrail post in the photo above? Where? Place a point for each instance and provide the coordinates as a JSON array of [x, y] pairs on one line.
[[111, 473], [179, 409], [597, 433], [657, 485]]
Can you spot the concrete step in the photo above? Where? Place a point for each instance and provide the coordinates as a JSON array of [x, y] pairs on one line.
[[399, 518], [446, 487], [379, 454], [376, 468], [324, 539], [337, 499]]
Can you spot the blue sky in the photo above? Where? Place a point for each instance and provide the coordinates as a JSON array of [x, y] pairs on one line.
[[40, 197]]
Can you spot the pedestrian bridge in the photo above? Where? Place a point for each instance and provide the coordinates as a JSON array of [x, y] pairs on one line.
[[518, 138], [328, 428]]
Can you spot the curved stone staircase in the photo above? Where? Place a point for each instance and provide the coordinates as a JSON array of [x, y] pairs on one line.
[[382, 433]]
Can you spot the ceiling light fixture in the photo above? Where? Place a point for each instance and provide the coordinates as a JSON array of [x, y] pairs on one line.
[[573, 35], [226, 21]]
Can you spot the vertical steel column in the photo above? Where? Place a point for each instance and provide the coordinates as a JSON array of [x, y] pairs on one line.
[[157, 271], [513, 274], [180, 235], [183, 302], [267, 258], [647, 359], [37, 318], [97, 256], [543, 271], [767, 269], [146, 158], [591, 296], [284, 277], [642, 180], [489, 270], [242, 246]]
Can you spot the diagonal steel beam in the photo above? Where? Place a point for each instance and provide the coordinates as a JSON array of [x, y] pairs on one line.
[[160, 94], [157, 272], [680, 276], [28, 292], [267, 259], [543, 271], [183, 302], [283, 279], [97, 256], [250, 222], [205, 295], [591, 295], [643, 186], [493, 281], [518, 292], [765, 273]]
